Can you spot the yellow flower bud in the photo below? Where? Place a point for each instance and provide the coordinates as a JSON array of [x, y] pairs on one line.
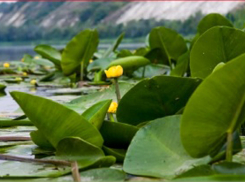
[[6, 65], [114, 71], [22, 60], [113, 107], [33, 82], [24, 74], [36, 57], [18, 79], [91, 60]]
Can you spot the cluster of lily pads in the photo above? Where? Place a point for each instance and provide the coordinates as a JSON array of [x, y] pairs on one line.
[[171, 110]]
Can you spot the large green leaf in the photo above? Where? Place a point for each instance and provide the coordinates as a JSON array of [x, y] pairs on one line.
[[170, 43], [156, 150], [117, 135], [84, 102], [14, 169], [2, 88], [218, 44], [218, 171], [96, 113], [92, 175], [130, 63], [56, 121], [118, 153], [80, 49], [50, 53], [39, 139], [114, 46], [211, 20], [99, 64], [182, 65], [155, 98], [76, 149], [215, 109]]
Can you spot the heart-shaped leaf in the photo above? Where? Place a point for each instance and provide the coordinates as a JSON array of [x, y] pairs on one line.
[[155, 98], [156, 150], [80, 49], [211, 20], [215, 110], [56, 121], [50, 53], [96, 113], [218, 44], [170, 43]]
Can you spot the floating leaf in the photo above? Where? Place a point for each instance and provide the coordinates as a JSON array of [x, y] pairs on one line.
[[156, 150], [50, 53], [114, 46], [211, 20], [56, 121], [215, 109], [170, 43], [117, 135], [80, 49], [130, 63], [218, 44], [76, 149], [96, 113], [155, 98]]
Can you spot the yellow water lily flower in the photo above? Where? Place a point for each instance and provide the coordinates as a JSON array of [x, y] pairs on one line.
[[36, 57], [113, 107], [24, 74], [114, 71], [18, 79], [6, 65], [33, 82], [91, 60]]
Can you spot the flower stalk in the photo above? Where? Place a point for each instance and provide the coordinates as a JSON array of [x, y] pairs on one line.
[[117, 90]]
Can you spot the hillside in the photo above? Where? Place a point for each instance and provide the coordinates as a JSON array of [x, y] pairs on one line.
[[24, 21]]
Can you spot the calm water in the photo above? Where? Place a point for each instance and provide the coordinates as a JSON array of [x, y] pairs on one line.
[[16, 52]]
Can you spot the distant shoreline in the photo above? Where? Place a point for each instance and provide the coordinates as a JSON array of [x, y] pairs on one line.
[[63, 42]]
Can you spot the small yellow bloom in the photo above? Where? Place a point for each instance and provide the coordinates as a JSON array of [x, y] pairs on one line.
[[36, 57], [91, 60], [18, 79], [113, 107], [33, 82], [22, 60], [24, 74], [6, 65], [114, 71]]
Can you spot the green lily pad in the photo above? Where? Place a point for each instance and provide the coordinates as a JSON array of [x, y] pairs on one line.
[[205, 110], [117, 135], [56, 121], [211, 20], [218, 44], [154, 98], [96, 114], [156, 150]]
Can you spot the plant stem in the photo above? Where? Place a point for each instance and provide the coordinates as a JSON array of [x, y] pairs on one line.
[[117, 90], [229, 147], [82, 70], [24, 159], [111, 117], [14, 138], [143, 73], [75, 172]]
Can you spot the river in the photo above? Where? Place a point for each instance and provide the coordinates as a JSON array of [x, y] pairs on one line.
[[16, 52]]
